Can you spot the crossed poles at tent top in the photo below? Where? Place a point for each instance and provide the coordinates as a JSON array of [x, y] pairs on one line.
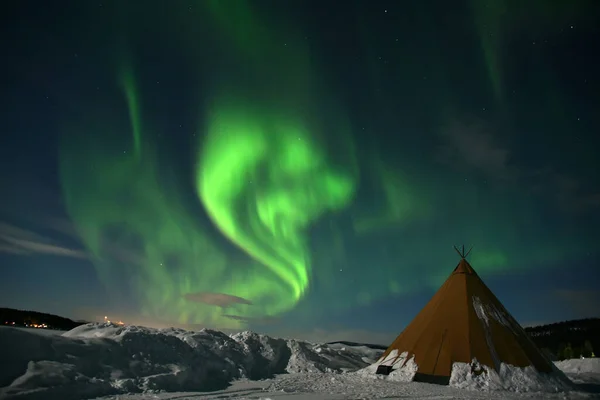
[[462, 253]]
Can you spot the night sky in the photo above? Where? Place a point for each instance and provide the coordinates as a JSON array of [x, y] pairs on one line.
[[299, 168]]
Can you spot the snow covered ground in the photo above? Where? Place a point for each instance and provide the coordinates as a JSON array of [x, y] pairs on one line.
[[115, 362]]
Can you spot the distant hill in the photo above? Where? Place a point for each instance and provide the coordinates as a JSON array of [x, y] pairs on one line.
[[12, 317], [568, 339]]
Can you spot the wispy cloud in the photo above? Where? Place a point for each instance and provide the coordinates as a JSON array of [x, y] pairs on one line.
[[21, 241], [475, 146], [472, 145], [567, 191], [7, 248], [584, 303], [15, 240], [571, 195]]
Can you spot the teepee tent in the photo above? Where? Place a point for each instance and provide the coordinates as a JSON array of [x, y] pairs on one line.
[[463, 321]]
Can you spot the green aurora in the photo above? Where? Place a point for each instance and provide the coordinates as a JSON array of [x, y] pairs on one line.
[[268, 176]]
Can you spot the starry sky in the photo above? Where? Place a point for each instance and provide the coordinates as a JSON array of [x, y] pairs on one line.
[[299, 168]]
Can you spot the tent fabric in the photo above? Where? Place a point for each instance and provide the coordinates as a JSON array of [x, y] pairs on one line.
[[464, 321]]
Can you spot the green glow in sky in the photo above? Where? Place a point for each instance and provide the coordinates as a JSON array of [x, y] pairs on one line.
[[284, 206], [495, 21], [402, 201], [262, 175], [128, 84], [264, 181], [141, 236]]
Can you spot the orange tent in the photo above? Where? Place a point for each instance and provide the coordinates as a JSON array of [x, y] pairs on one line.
[[462, 321]]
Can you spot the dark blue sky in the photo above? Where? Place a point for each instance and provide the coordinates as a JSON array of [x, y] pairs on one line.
[[451, 124]]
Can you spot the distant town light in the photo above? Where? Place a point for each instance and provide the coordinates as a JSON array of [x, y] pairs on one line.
[[107, 321]]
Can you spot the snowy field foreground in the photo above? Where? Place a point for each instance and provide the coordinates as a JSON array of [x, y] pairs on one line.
[[114, 362]]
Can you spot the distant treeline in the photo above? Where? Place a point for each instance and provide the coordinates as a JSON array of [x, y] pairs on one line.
[[30, 318], [568, 339]]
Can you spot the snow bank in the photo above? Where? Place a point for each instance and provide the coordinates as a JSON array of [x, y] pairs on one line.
[[107, 360], [104, 359], [368, 354], [581, 371], [475, 376], [579, 366], [404, 369]]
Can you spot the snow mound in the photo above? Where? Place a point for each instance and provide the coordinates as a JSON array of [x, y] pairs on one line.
[[475, 376], [404, 369], [368, 354], [308, 357], [579, 366], [98, 360], [106, 359], [581, 371]]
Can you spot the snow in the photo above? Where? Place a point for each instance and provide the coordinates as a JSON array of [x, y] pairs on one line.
[[367, 354], [581, 371], [404, 370], [480, 310], [107, 361], [577, 366], [485, 310], [475, 376], [39, 331]]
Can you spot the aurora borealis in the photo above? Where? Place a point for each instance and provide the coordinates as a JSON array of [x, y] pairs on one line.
[[253, 164]]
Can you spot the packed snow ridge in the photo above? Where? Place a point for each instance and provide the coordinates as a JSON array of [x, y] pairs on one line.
[[476, 376], [97, 360], [103, 359]]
